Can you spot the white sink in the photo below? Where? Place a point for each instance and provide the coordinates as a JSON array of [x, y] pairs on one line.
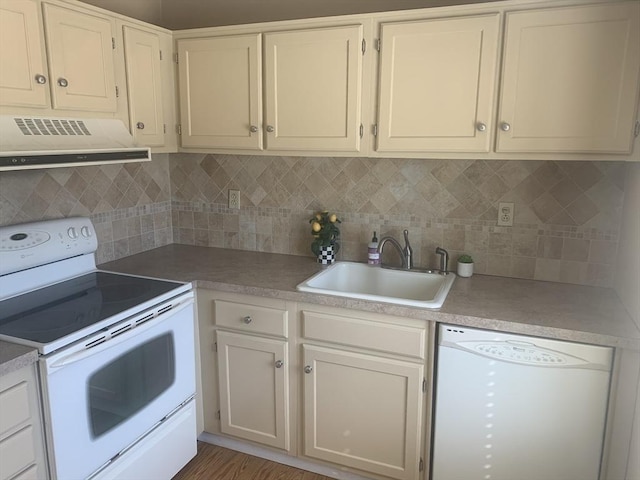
[[359, 280]]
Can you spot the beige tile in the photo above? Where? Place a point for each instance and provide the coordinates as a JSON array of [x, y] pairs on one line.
[[500, 243], [547, 270], [582, 209], [522, 267], [499, 265], [550, 247], [601, 251], [575, 249], [545, 207]]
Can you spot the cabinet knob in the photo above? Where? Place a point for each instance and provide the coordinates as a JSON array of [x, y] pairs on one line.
[[63, 82], [308, 369], [505, 127], [482, 127], [247, 319], [279, 363], [140, 126], [41, 79], [253, 129], [270, 129]]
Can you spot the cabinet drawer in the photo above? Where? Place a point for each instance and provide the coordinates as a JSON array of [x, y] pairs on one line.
[[251, 318], [16, 452], [14, 407], [362, 333]]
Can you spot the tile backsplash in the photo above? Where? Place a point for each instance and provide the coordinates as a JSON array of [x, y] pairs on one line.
[[129, 204], [567, 214]]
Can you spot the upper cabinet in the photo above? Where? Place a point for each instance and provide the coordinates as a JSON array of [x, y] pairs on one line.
[[23, 68], [437, 81], [312, 90], [142, 55], [80, 52], [220, 92], [570, 79]]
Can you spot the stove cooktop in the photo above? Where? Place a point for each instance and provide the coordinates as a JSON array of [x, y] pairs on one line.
[[49, 314]]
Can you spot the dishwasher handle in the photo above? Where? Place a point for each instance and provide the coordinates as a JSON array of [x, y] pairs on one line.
[[523, 353]]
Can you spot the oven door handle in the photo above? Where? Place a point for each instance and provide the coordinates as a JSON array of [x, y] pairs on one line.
[[115, 341]]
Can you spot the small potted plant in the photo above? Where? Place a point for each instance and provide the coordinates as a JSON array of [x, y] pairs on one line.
[[465, 265], [325, 231]]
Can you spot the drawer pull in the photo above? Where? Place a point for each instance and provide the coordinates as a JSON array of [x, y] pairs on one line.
[[308, 369], [247, 320], [279, 363]]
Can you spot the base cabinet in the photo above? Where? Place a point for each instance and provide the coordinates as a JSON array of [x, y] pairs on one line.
[[362, 411], [254, 384], [22, 454]]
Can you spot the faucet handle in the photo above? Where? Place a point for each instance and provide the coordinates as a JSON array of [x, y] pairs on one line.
[[444, 259], [408, 251]]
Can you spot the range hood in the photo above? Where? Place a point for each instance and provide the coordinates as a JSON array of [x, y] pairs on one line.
[[39, 142]]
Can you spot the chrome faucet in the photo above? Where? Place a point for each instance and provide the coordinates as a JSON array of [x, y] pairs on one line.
[[444, 260], [406, 253]]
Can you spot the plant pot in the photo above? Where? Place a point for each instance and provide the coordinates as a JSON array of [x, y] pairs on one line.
[[326, 255], [465, 269]]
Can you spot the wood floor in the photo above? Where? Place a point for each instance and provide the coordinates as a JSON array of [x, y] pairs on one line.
[[218, 463]]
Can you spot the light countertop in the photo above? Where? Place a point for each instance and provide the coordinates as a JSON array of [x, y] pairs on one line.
[[530, 307]]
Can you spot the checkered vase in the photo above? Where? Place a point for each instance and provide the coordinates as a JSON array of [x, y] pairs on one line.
[[326, 256]]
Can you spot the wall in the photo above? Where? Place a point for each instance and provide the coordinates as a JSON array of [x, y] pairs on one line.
[[567, 213], [627, 284], [129, 204]]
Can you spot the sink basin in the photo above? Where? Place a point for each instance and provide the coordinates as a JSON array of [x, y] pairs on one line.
[[358, 280]]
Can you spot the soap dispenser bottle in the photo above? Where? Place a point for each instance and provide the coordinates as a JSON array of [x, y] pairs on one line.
[[372, 253]]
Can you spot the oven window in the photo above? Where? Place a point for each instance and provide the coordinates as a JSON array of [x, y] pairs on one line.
[[125, 386]]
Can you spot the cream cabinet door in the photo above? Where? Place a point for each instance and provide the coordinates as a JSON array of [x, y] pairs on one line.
[[254, 388], [22, 454], [144, 85], [313, 88], [220, 90], [437, 82], [80, 52], [570, 79], [23, 69], [363, 411]]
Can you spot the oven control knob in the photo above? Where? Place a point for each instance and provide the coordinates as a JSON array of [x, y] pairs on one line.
[[72, 232], [85, 231]]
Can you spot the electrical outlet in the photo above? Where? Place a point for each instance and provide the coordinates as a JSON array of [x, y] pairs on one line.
[[234, 199], [505, 214]]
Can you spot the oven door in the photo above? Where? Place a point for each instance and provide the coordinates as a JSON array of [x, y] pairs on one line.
[[101, 397]]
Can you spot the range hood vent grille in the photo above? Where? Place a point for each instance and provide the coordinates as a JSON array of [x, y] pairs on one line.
[[51, 126]]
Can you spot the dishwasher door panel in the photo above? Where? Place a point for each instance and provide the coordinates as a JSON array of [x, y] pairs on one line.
[[499, 420]]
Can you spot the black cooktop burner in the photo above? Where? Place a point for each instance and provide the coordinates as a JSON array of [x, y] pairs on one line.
[[53, 312]]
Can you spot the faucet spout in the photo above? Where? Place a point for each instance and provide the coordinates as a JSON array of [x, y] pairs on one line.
[[406, 253]]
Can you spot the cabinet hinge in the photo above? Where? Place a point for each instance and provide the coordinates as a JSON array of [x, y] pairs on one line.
[[375, 130], [160, 54], [113, 43], [424, 385], [164, 128], [421, 465], [218, 415], [117, 92], [364, 46], [215, 346], [361, 130], [636, 131], [179, 129], [175, 57], [377, 44]]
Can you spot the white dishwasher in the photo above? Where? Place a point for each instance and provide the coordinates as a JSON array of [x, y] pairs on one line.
[[509, 407]]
